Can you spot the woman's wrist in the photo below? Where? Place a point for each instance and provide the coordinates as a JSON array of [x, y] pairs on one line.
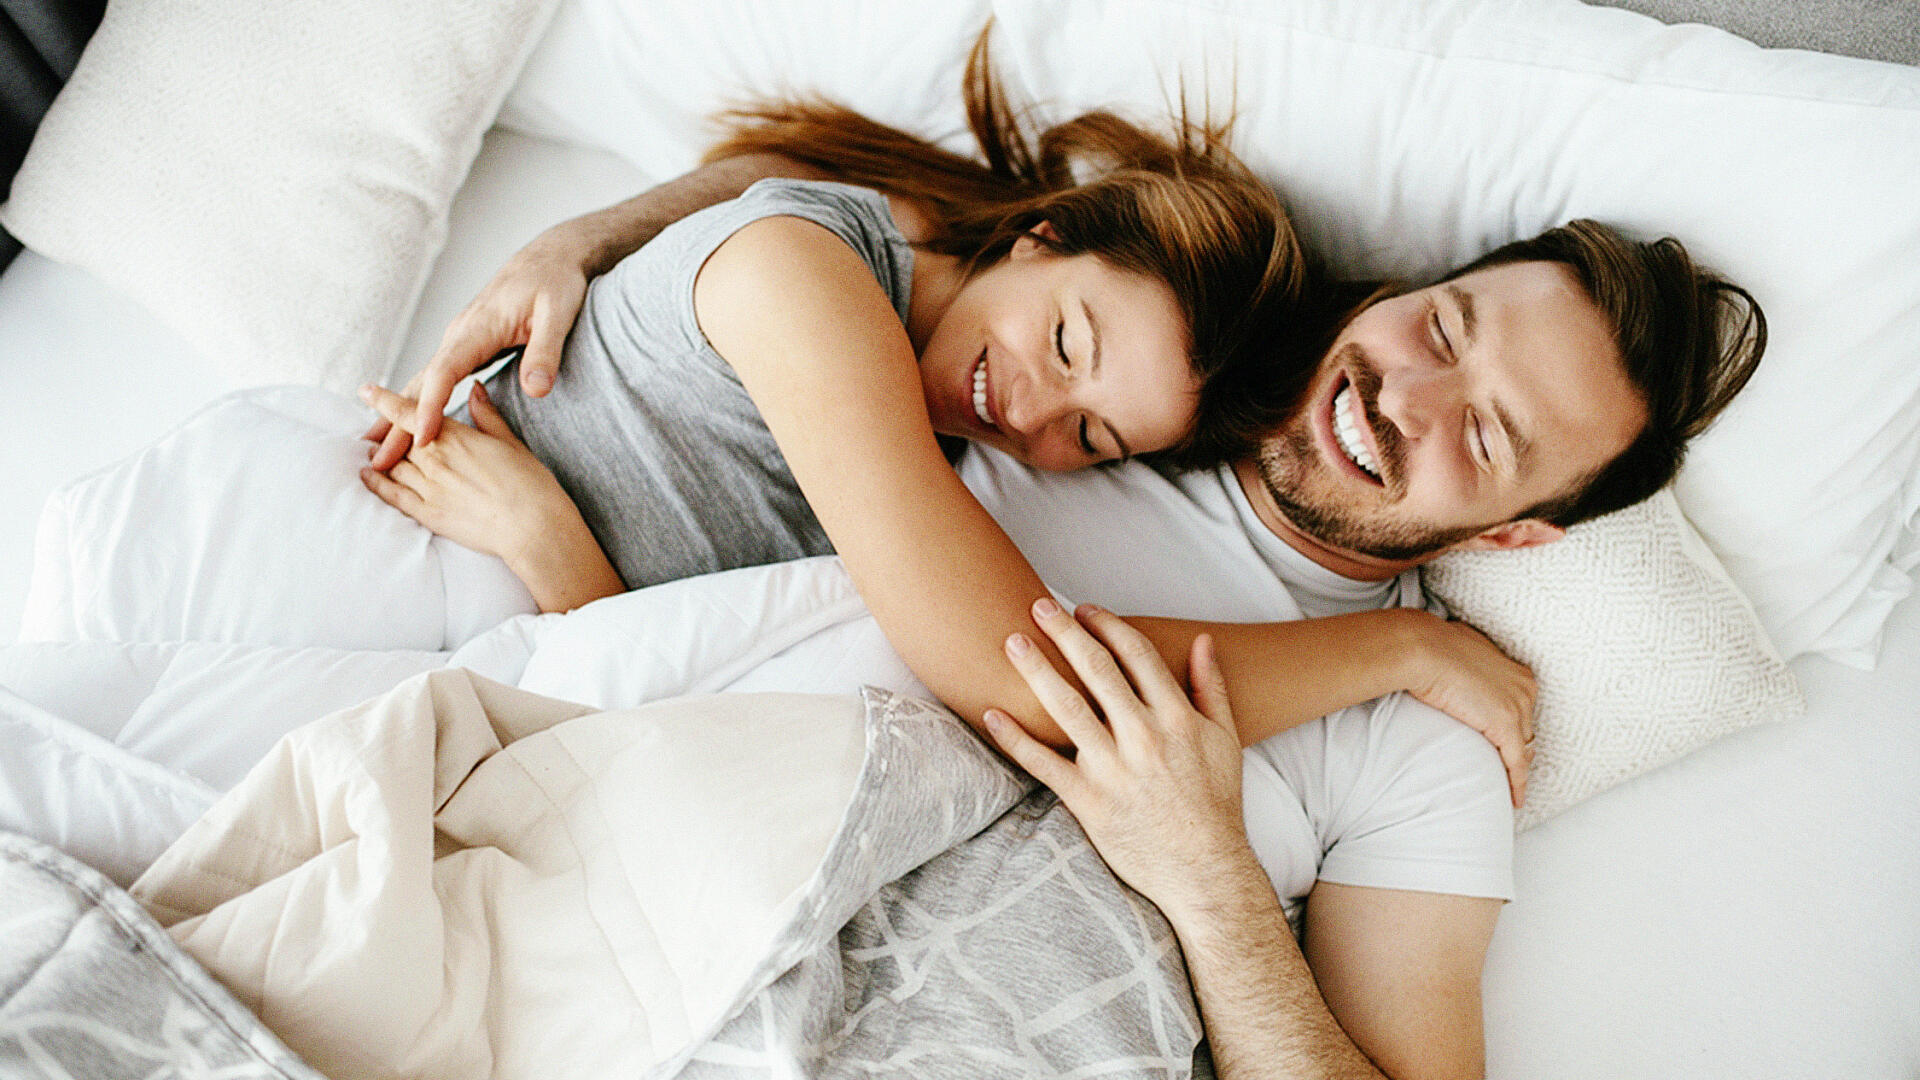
[[560, 562]]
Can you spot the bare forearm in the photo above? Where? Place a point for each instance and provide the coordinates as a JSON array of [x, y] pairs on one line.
[[1280, 675], [564, 567], [1263, 1011], [601, 239]]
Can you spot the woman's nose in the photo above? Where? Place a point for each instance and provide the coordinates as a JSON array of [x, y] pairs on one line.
[[1038, 404]]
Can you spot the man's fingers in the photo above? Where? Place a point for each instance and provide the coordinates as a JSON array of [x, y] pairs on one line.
[[1042, 761], [1090, 660], [1139, 660], [1208, 684], [540, 362], [1064, 703]]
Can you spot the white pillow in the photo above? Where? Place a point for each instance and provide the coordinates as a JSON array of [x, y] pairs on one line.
[[272, 180], [1410, 135], [249, 524], [1644, 649], [643, 79]]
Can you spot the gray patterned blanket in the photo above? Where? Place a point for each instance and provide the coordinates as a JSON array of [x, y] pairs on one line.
[[91, 988], [952, 920]]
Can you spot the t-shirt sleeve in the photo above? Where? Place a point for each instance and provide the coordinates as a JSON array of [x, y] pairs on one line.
[[1428, 809]]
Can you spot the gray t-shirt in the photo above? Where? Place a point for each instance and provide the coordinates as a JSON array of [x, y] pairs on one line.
[[652, 433]]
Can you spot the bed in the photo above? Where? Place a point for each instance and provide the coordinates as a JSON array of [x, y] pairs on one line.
[[1750, 909]]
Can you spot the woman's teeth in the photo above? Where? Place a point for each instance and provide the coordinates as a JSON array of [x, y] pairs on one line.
[[1346, 428], [980, 393]]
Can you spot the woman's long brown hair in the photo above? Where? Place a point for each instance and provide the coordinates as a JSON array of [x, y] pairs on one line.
[[1181, 209]]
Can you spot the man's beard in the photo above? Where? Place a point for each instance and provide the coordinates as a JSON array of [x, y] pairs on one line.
[[1289, 463]]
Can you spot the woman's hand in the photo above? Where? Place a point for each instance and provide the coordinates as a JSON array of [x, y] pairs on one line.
[[1157, 785], [477, 486], [533, 300], [1467, 677]]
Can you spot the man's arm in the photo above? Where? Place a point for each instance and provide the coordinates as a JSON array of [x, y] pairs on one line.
[[1157, 788], [534, 299]]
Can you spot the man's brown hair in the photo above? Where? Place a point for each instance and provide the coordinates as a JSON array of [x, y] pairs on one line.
[[1689, 339]]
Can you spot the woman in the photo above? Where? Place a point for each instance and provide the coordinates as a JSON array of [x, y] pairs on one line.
[[1068, 322]]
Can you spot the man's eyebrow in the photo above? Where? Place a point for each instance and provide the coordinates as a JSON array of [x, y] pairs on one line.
[[1093, 368], [1463, 299]]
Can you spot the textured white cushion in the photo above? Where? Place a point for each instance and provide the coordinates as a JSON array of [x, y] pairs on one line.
[[272, 180], [1643, 647]]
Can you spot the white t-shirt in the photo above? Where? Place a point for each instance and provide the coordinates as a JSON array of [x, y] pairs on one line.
[[1390, 794]]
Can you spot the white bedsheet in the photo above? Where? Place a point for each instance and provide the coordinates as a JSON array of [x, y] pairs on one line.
[[1750, 911]]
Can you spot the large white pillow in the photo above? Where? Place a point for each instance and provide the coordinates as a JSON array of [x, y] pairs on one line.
[[249, 524], [272, 180], [1644, 649], [1410, 135], [643, 79]]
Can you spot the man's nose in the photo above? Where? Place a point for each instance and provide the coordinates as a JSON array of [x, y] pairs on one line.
[[1417, 400]]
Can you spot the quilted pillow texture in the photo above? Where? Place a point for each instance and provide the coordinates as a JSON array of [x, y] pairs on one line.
[[272, 180], [1644, 649]]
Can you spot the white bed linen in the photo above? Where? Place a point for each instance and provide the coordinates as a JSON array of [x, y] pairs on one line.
[[1747, 911], [1753, 910]]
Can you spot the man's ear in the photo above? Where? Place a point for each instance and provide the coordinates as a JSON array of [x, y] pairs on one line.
[[1038, 240], [1524, 533]]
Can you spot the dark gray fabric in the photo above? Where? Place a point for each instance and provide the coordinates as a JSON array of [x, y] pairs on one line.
[[651, 432], [40, 42], [1873, 29]]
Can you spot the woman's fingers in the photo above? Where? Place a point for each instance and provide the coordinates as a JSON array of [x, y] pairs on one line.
[[1058, 696], [486, 416], [392, 492], [393, 408]]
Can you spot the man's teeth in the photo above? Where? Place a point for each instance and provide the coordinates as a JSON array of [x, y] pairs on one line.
[[1345, 428], [980, 393]]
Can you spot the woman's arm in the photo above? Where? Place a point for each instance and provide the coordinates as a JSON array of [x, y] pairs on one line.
[[1286, 673], [822, 352]]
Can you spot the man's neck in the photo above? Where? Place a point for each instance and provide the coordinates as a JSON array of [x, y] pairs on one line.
[[1349, 564]]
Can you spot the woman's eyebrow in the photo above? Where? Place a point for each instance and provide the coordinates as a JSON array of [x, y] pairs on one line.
[[1093, 328]]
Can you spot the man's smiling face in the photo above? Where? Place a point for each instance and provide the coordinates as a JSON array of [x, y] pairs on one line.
[[1441, 415]]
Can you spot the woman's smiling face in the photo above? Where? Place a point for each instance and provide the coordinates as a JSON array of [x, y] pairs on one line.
[[1062, 361]]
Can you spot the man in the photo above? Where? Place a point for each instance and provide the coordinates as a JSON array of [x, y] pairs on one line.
[[1553, 380]]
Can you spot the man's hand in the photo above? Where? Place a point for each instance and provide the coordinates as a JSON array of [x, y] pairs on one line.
[[1157, 786], [1466, 676], [532, 301]]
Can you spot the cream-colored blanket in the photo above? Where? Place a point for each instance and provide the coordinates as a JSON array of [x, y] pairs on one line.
[[462, 879]]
